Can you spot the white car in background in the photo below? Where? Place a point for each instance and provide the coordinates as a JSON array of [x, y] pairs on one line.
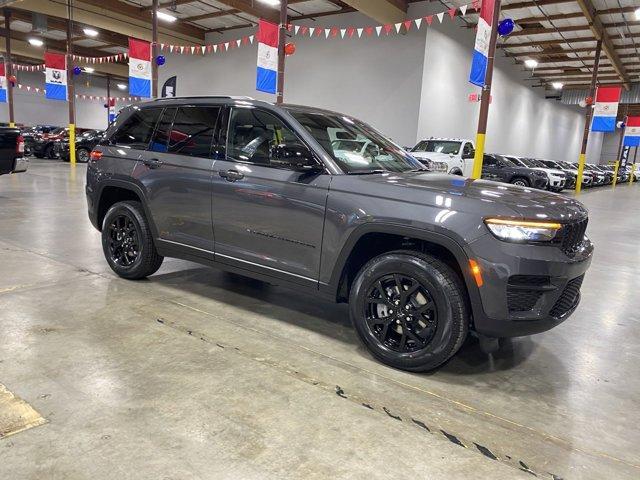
[[557, 178], [456, 153]]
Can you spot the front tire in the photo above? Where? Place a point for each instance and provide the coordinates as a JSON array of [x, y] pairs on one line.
[[82, 155], [127, 242], [520, 181], [409, 310]]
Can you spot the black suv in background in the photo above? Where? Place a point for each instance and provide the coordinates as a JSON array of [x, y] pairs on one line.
[[265, 191], [498, 168], [84, 144]]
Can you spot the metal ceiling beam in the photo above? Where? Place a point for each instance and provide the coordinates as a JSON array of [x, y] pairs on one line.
[[529, 4], [255, 10], [556, 41], [383, 11], [203, 16], [323, 14], [546, 31], [559, 16], [601, 34], [607, 11], [168, 5]]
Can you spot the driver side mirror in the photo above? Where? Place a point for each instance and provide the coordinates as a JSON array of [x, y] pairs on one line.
[[294, 156], [469, 155]]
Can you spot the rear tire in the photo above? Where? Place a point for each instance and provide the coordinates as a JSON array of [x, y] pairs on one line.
[[82, 155], [409, 309], [49, 152], [521, 181], [127, 242]]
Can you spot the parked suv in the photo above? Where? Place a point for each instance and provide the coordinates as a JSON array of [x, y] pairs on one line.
[[501, 169], [258, 189]]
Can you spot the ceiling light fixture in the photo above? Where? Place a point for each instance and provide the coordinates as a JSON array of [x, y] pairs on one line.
[[90, 32], [36, 42], [271, 3], [638, 14], [122, 86], [89, 69], [166, 17], [557, 85], [530, 63]]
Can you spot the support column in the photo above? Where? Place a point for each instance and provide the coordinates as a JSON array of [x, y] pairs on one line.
[[71, 99], [8, 65], [154, 49], [282, 38], [633, 166], [486, 95], [588, 117], [108, 99]]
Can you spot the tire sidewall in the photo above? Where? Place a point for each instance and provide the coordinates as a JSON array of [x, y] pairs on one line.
[[78, 155], [128, 210], [446, 335], [521, 182]]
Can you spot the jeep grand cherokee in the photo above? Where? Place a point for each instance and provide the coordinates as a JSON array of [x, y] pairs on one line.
[[261, 190]]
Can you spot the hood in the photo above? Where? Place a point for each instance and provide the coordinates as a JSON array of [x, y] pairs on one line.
[[485, 197], [551, 171], [435, 156]]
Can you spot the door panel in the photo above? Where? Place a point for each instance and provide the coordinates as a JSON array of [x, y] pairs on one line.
[[267, 218]]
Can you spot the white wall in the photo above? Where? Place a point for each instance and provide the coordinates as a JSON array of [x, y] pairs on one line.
[[31, 109]]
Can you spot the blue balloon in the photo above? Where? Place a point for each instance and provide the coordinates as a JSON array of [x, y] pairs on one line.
[[160, 60], [77, 70], [505, 27]]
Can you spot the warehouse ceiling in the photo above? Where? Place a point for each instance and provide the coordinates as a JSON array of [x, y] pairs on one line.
[[559, 34]]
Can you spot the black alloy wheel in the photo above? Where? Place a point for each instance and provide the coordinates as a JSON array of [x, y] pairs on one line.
[[400, 313], [522, 182], [124, 246], [82, 155]]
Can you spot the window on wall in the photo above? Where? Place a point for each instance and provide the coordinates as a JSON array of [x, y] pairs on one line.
[[252, 135], [160, 140], [137, 129], [192, 131]]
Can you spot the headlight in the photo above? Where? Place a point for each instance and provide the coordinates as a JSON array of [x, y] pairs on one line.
[[522, 230]]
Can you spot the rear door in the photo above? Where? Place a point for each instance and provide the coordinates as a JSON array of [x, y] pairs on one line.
[[176, 173]]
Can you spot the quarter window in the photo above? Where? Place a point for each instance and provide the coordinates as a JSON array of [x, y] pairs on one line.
[[253, 134], [192, 131], [161, 136], [137, 129]]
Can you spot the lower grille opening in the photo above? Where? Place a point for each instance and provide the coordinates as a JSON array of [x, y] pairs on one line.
[[524, 291], [568, 298]]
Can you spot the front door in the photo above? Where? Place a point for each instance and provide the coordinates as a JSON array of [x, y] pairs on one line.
[[491, 169], [267, 216], [176, 172]]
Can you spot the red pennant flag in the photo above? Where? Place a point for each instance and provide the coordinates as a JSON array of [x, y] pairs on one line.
[[476, 4], [351, 31], [334, 32], [304, 29], [452, 12], [318, 32], [290, 27], [387, 28], [369, 31], [245, 40], [429, 19], [407, 24]]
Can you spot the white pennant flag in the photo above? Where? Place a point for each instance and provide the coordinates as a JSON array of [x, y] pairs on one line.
[[360, 30], [203, 48], [193, 49], [296, 29], [251, 39], [182, 49], [343, 31], [463, 10], [398, 26], [378, 30], [226, 45], [215, 49], [418, 22], [440, 16], [238, 42], [327, 31]]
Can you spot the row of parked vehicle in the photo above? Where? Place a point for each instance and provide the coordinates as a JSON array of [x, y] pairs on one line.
[[48, 141], [455, 156]]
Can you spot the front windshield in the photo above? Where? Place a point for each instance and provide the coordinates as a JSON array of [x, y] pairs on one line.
[[533, 163], [517, 161], [356, 147], [439, 146], [505, 161]]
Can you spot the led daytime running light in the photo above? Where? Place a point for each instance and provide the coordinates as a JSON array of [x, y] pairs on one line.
[[524, 223]]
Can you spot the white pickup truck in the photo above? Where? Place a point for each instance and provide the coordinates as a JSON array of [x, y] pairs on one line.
[[456, 153]]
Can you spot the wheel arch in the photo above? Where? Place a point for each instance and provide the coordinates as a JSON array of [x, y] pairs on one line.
[[114, 191]]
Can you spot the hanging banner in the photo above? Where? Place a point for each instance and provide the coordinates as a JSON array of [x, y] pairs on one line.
[[3, 83], [139, 68], [55, 76], [481, 48], [169, 87], [632, 132], [267, 77], [606, 109]]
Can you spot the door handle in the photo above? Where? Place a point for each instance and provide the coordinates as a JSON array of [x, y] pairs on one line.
[[152, 162], [231, 175]]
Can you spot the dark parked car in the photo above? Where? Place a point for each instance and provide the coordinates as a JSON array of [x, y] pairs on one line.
[[43, 146], [258, 189], [30, 134], [12, 159], [84, 144], [501, 169]]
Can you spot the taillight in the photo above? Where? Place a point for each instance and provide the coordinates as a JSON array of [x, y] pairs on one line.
[[20, 144], [95, 155]]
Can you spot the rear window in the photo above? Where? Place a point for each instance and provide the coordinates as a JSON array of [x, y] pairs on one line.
[[136, 130], [192, 131]]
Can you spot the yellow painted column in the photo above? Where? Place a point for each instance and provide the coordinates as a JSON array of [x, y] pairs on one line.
[[581, 160], [12, 124], [615, 173], [72, 143], [478, 156]]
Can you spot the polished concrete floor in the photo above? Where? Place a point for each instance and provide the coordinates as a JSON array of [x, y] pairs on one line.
[[197, 374]]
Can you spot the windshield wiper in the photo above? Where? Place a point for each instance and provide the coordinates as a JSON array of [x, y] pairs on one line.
[[421, 169], [367, 172]]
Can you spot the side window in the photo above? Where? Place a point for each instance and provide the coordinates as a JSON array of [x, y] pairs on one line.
[[467, 150], [254, 133], [192, 131], [136, 130], [489, 161], [160, 140]]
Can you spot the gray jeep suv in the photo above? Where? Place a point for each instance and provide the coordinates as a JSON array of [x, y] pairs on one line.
[[319, 201]]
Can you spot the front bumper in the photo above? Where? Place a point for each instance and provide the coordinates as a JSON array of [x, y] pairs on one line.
[[556, 183], [527, 289], [539, 182]]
